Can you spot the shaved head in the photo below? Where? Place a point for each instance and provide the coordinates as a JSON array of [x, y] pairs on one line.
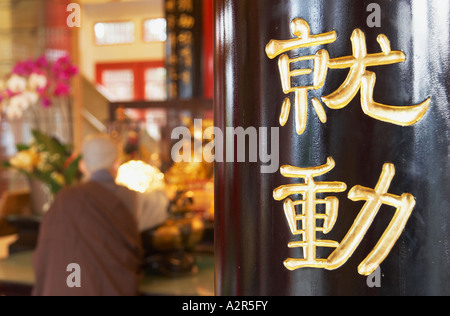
[[100, 153]]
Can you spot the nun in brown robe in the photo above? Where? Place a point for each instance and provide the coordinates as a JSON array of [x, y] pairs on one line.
[[91, 226]]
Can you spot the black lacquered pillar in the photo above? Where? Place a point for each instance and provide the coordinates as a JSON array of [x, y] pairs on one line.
[[364, 136]]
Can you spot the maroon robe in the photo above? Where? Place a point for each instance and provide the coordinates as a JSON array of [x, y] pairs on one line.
[[90, 226]]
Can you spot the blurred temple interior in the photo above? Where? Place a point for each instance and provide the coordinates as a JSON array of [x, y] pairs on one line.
[[130, 69]]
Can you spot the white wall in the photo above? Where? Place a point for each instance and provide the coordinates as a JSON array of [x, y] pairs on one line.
[[136, 11]]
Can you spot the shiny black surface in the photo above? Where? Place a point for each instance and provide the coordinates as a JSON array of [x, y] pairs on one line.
[[251, 230]]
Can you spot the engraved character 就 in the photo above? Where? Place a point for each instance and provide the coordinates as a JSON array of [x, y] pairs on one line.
[[301, 30]]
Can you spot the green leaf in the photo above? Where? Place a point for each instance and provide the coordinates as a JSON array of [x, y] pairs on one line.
[[54, 147], [72, 171], [22, 147]]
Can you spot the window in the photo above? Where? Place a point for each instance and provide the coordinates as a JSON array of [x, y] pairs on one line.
[[120, 83], [111, 33], [155, 84], [155, 30]]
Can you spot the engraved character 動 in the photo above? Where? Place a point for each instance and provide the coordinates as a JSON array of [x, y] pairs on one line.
[[374, 198]]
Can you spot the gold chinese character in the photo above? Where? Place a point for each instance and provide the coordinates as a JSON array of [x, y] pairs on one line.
[[173, 58], [173, 90], [185, 5], [172, 73], [186, 57], [374, 198], [301, 30], [309, 190], [186, 77], [359, 79], [186, 21], [185, 38], [170, 5], [171, 22], [404, 206]]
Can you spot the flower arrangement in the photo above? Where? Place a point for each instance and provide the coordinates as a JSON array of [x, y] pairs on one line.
[[47, 160], [34, 80]]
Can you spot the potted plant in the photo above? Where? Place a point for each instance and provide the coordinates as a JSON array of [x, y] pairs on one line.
[[49, 165]]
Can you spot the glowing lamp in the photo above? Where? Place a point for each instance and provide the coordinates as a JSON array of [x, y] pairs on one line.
[[140, 177]]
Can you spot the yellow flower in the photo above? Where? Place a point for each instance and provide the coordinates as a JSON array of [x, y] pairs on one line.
[[58, 177], [26, 160]]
